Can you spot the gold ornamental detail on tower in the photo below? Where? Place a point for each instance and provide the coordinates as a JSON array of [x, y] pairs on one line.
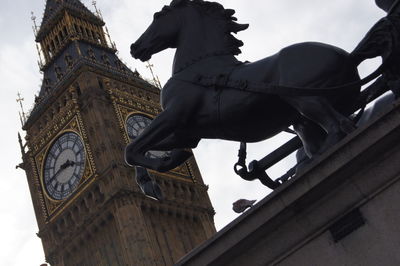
[[54, 205]]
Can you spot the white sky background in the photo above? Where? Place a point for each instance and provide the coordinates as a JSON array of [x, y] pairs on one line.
[[273, 25]]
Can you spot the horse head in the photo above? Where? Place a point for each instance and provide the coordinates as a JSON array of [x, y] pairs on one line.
[[160, 35], [196, 27]]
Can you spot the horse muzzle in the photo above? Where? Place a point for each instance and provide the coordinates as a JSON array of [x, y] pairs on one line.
[[139, 53], [134, 48]]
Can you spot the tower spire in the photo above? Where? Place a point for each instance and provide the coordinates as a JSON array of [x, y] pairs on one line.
[[109, 39], [22, 116], [156, 80], [98, 12], [34, 27]]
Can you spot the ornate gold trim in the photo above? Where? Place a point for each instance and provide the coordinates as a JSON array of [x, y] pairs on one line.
[[38, 187], [48, 133], [51, 205], [67, 202]]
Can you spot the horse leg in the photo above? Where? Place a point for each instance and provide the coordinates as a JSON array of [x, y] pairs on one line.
[[160, 128], [320, 111], [175, 141], [312, 136], [176, 144], [149, 186]]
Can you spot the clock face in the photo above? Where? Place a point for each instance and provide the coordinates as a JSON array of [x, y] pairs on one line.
[[135, 124], [64, 166]]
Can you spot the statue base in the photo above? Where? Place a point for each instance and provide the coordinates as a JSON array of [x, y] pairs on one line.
[[342, 210]]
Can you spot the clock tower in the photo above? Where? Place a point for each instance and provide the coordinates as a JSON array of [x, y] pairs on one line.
[[88, 206]]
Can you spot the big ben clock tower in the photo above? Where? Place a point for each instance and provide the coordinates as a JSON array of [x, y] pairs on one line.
[[89, 209]]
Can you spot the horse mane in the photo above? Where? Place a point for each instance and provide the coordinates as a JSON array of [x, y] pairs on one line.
[[216, 10]]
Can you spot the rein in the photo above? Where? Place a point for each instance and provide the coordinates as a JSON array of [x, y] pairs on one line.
[[224, 80], [200, 58]]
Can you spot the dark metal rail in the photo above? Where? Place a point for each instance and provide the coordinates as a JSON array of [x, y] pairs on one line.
[[257, 169]]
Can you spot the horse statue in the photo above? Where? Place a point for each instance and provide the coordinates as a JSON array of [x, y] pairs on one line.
[[311, 86]]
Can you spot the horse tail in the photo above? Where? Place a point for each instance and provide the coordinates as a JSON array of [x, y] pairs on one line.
[[373, 75]]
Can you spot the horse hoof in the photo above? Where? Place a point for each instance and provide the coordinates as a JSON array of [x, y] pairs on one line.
[[152, 190], [148, 186]]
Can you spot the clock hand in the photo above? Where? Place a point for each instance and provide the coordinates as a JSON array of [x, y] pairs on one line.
[[71, 163], [62, 167], [55, 175], [66, 164]]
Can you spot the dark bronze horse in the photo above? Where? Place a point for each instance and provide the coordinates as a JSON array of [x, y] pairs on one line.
[[213, 95]]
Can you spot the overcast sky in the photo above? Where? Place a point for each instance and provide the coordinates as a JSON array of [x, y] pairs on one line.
[[273, 25]]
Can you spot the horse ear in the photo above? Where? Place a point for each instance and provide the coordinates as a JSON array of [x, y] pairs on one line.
[[236, 27], [229, 12]]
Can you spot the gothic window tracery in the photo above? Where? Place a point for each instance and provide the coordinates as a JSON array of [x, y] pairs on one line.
[[75, 29], [69, 60], [58, 71], [105, 60], [65, 32], [47, 85], [91, 54]]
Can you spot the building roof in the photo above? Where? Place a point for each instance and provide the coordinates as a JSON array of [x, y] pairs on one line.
[[55, 9]]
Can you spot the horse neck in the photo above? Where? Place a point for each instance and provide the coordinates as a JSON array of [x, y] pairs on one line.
[[200, 38]]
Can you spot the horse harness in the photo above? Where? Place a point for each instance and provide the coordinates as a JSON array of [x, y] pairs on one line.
[[224, 80]]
